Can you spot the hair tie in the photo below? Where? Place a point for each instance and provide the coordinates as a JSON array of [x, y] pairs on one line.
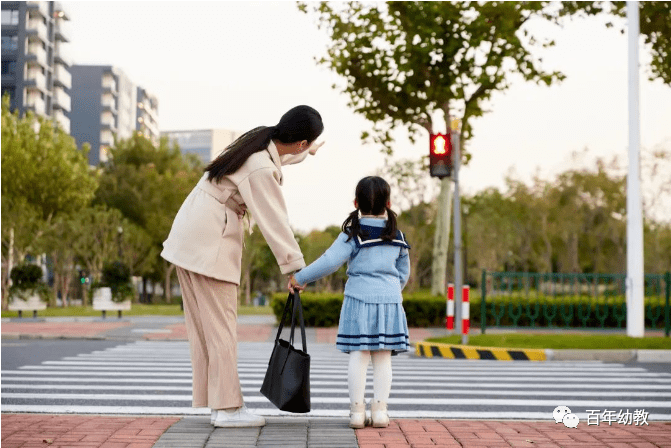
[[275, 132]]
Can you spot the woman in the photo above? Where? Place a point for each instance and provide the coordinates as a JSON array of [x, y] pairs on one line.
[[205, 243]]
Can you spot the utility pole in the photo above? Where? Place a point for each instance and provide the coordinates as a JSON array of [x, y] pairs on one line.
[[458, 270], [635, 276]]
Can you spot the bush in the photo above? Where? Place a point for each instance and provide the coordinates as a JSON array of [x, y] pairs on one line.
[[27, 281], [323, 309], [117, 277]]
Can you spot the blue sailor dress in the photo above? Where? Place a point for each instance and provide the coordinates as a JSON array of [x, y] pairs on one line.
[[373, 326], [372, 315]]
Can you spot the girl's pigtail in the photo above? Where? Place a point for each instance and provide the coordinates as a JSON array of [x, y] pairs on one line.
[[351, 225], [390, 230]]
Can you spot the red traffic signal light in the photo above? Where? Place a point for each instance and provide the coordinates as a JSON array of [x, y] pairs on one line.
[[440, 155]]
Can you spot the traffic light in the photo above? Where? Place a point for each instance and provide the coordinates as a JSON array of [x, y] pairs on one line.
[[440, 155]]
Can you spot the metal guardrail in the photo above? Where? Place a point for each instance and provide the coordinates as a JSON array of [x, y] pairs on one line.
[[553, 300]]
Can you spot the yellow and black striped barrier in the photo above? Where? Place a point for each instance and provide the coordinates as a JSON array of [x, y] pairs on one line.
[[450, 351]]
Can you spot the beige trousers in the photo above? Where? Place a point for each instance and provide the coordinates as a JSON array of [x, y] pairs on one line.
[[210, 313]]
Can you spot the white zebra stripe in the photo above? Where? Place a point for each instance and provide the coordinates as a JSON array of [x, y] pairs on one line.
[[145, 371], [345, 400], [340, 390], [396, 384]]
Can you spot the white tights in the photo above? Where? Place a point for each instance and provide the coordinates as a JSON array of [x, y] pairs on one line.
[[358, 365]]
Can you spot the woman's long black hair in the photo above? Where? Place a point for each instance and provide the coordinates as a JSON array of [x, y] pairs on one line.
[[372, 194], [298, 124]]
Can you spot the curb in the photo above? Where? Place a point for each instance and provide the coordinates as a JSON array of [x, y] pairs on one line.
[[451, 351]]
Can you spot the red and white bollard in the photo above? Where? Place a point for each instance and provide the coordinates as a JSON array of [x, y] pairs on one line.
[[449, 322], [465, 313], [465, 309]]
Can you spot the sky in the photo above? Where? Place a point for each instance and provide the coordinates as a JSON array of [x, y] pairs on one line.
[[238, 65]]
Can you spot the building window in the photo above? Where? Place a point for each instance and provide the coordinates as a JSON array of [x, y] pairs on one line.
[[10, 43], [9, 68], [10, 16]]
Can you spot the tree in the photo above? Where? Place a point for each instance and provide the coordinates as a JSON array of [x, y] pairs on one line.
[[95, 241], [43, 175], [148, 184], [405, 63], [258, 263]]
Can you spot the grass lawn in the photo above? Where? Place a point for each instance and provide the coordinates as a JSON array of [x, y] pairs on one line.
[[137, 309], [565, 341]]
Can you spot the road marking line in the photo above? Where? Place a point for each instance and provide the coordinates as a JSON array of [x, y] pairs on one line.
[[342, 390]]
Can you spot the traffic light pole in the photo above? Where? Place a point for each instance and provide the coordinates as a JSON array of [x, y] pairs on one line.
[[458, 271]]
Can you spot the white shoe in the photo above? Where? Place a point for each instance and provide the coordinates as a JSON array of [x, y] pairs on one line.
[[238, 418], [357, 415], [214, 416], [379, 414]]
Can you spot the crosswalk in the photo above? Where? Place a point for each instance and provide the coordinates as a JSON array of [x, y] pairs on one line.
[[151, 377]]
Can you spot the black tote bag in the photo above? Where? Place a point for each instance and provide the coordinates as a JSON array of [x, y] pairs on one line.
[[287, 381]]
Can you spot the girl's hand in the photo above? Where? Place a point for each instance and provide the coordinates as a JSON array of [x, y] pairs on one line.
[[293, 285], [313, 148]]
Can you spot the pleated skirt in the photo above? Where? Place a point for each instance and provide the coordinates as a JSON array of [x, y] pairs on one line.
[[372, 326]]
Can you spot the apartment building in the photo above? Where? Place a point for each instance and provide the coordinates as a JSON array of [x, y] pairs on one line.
[[107, 104], [35, 59], [206, 144], [147, 115]]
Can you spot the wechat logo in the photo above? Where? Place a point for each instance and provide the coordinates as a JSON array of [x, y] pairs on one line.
[[563, 414]]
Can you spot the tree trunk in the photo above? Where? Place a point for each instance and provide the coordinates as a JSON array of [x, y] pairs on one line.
[[248, 287], [167, 290], [548, 245], [441, 240], [6, 279]]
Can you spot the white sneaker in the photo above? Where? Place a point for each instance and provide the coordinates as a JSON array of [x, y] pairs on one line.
[[214, 416], [238, 418]]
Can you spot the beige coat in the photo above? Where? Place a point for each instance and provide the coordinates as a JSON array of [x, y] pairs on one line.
[[207, 233]]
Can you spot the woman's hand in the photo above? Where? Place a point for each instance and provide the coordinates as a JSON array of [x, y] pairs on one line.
[[293, 285], [313, 148]]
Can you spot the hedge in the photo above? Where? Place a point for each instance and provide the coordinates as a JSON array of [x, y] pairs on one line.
[[323, 309], [424, 310]]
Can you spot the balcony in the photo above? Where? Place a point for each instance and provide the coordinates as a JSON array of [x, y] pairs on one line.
[[107, 121], [40, 7], [62, 54], [62, 120], [61, 31], [109, 83], [36, 103], [147, 109], [62, 77], [106, 138], [35, 79], [37, 54], [108, 102], [61, 100], [37, 28]]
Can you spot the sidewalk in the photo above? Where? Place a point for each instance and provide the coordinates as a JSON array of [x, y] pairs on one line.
[[74, 431]]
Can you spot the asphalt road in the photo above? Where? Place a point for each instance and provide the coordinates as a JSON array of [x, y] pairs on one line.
[[154, 377]]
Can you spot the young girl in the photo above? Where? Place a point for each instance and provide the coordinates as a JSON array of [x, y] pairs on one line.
[[372, 319]]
